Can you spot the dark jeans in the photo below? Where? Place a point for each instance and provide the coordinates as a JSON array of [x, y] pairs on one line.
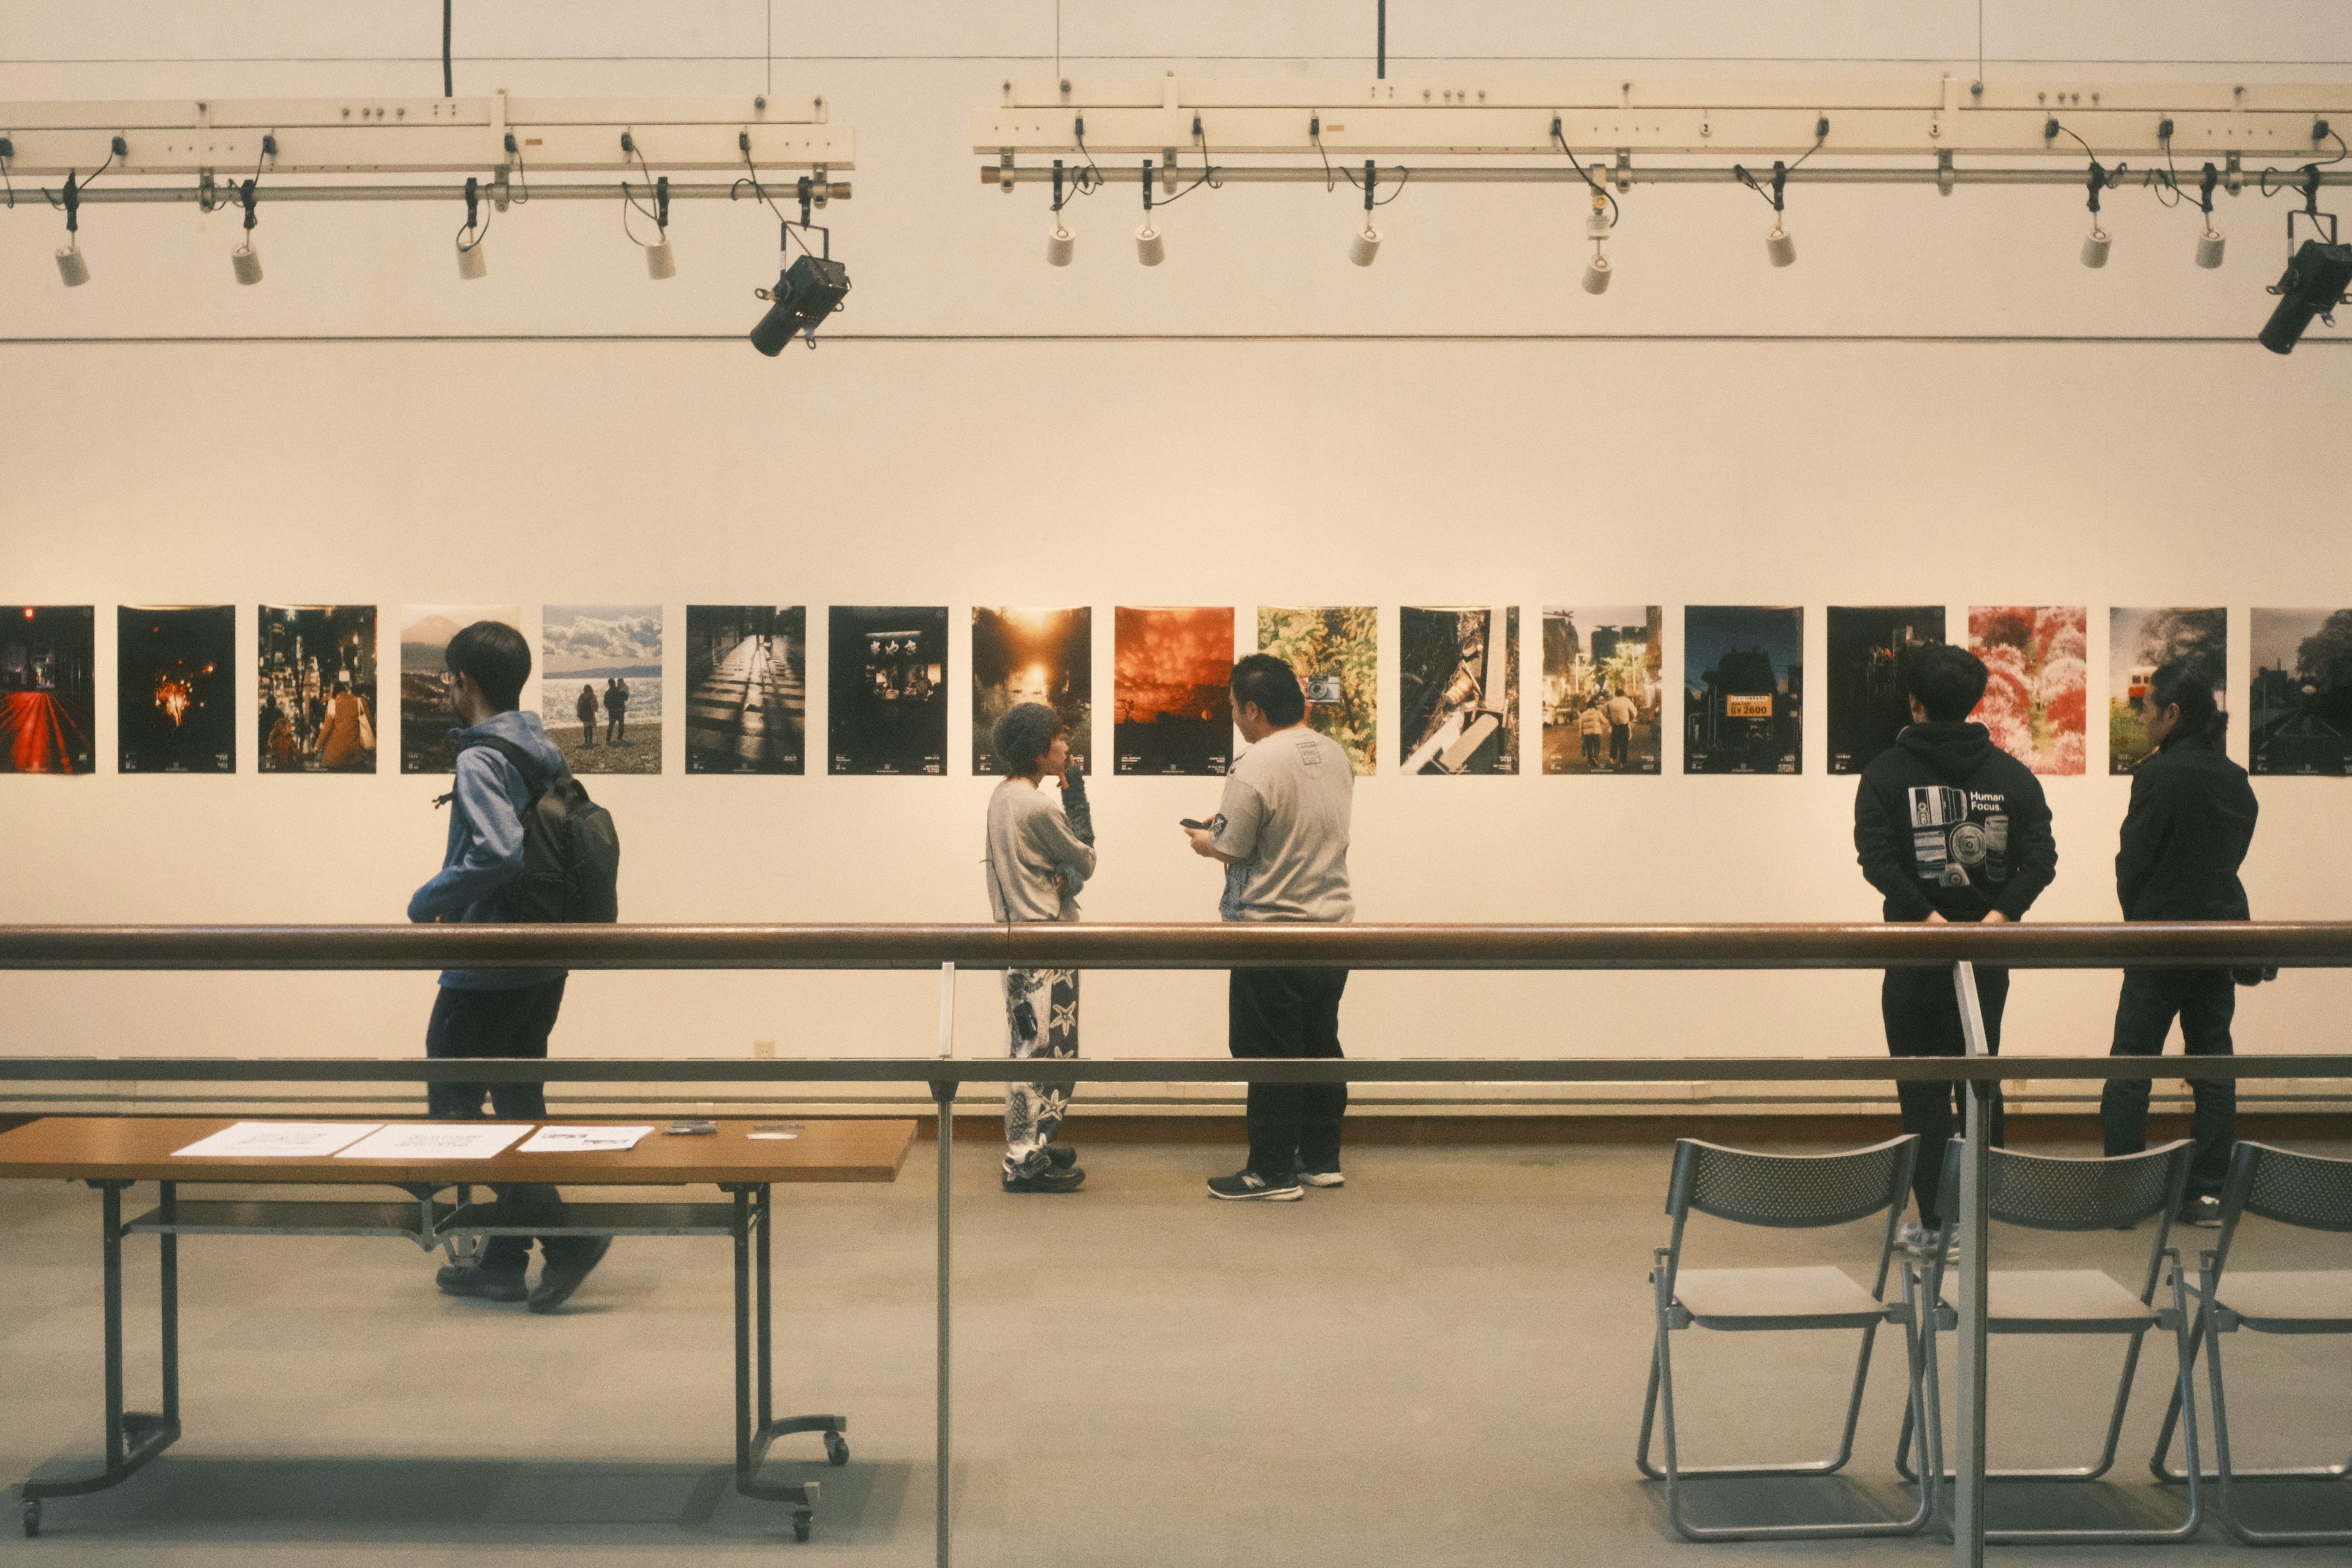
[[498, 1024], [1293, 1127], [1922, 1011], [2205, 1000]]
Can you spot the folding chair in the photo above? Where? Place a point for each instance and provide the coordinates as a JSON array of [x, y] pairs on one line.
[[1789, 1191], [2306, 1191], [2040, 1191]]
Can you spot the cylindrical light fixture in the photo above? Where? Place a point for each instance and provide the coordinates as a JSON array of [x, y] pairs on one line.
[[1060, 245], [1149, 248], [2095, 246], [1365, 246], [1596, 274], [71, 268], [1780, 247], [471, 262], [2209, 246], [660, 260], [247, 263]]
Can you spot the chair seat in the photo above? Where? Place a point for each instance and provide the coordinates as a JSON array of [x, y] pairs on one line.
[[2076, 1298], [2310, 1301], [1775, 1297]]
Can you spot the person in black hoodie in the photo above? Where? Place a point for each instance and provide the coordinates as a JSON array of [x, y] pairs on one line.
[[2191, 819], [1947, 828]]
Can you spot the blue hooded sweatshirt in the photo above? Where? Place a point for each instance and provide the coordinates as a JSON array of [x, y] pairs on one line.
[[482, 870]]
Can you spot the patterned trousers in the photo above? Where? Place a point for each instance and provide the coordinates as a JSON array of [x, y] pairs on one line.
[[1041, 1019]]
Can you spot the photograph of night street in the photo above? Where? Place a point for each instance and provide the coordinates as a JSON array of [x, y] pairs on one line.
[[48, 692]]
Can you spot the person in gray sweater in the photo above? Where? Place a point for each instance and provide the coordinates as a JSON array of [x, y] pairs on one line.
[[1040, 853]]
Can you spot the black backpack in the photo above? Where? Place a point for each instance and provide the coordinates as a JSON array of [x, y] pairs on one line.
[[571, 850]]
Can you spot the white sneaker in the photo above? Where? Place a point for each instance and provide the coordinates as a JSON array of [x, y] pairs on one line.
[[1331, 1178], [1920, 1242]]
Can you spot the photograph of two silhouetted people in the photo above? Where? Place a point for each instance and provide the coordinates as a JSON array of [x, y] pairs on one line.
[[1950, 828], [1947, 828]]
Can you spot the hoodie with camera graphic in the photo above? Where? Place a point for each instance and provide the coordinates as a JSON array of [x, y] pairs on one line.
[[1947, 822]]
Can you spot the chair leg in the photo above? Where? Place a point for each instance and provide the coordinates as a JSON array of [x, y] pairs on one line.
[[1649, 1413], [2155, 1464]]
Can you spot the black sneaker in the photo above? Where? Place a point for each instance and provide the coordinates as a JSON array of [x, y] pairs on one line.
[[1246, 1185], [1331, 1178], [481, 1284], [562, 1274], [2205, 1213], [1052, 1179], [1063, 1155]]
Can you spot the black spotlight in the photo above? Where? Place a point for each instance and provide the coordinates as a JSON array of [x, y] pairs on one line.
[[2313, 285], [805, 293]]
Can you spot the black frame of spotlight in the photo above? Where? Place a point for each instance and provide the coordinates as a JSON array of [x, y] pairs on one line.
[[2317, 275]]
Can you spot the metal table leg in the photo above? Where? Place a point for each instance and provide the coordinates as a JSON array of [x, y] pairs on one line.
[[755, 1426], [132, 1437]]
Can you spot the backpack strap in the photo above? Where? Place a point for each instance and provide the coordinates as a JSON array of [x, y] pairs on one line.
[[524, 764]]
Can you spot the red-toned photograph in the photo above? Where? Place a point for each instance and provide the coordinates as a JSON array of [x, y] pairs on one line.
[[1174, 712]]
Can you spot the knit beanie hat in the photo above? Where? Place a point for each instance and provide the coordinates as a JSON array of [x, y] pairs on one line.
[[1023, 735]]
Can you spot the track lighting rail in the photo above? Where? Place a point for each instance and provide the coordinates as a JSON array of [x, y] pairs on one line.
[[1751, 119], [360, 136]]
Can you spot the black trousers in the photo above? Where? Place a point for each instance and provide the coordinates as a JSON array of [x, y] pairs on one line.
[[1922, 1012], [498, 1024], [2204, 1000], [1293, 1127]]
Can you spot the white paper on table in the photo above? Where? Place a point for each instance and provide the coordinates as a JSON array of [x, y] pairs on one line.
[[277, 1139], [436, 1140], [582, 1140]]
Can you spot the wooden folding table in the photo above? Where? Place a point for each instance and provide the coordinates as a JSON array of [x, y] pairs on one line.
[[114, 1153]]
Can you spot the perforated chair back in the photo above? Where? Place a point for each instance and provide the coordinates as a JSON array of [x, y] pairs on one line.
[[1788, 1190], [2310, 1192], [2047, 1192]]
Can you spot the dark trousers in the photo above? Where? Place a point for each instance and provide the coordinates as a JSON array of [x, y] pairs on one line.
[[2205, 1000], [1922, 1011], [1293, 1127], [498, 1024]]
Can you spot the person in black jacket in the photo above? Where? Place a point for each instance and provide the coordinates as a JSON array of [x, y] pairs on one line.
[[1947, 828], [2191, 819]]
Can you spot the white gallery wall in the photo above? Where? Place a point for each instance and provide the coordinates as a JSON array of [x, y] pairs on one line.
[[1936, 404]]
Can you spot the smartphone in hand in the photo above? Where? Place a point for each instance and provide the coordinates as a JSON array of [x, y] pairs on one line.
[[1195, 826]]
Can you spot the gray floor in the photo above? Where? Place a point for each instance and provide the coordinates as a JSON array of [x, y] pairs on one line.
[[1441, 1364]]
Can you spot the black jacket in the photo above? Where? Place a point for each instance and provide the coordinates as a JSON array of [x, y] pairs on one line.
[[1946, 821], [2191, 819]]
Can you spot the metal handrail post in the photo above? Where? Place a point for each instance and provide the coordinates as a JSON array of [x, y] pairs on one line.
[[1976, 1160], [943, 1093]]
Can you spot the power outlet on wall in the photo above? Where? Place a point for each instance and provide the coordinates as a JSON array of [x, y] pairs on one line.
[[764, 1050]]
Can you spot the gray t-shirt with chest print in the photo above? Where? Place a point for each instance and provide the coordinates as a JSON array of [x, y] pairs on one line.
[[1284, 820]]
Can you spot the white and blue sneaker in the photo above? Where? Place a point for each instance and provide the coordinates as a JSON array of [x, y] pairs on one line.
[[1331, 1178]]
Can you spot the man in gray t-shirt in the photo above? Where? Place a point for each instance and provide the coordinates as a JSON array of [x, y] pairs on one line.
[[1281, 832]]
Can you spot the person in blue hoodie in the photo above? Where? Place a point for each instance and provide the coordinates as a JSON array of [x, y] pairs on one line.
[[496, 1012], [1948, 827]]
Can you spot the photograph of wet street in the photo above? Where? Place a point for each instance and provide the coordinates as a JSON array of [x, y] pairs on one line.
[[747, 688], [49, 689]]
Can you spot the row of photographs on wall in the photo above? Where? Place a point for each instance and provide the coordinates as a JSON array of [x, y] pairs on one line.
[[600, 666]]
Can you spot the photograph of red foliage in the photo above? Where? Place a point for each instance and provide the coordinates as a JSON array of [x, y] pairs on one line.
[[2036, 703]]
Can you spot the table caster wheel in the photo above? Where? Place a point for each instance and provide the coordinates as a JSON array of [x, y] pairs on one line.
[[800, 1527], [837, 1448], [32, 1517]]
